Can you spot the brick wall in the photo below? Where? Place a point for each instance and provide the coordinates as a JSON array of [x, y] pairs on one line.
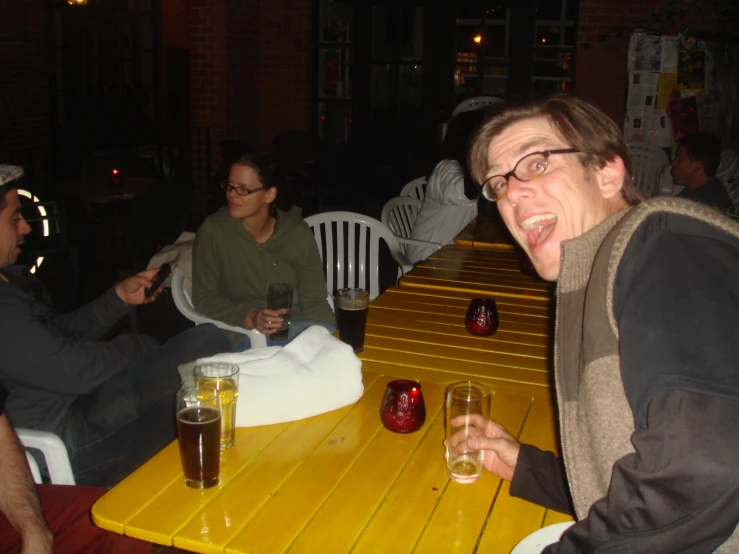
[[250, 70], [604, 29], [24, 96]]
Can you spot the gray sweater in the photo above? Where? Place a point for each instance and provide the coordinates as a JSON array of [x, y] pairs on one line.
[[47, 359]]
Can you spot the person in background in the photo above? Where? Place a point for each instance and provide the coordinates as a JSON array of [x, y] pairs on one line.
[[645, 359], [450, 201], [48, 518], [111, 401], [694, 167], [241, 250]]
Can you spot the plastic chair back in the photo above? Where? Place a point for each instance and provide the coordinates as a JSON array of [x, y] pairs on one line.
[[399, 214], [54, 452], [648, 161], [476, 103], [728, 172], [349, 244], [182, 296], [415, 188]]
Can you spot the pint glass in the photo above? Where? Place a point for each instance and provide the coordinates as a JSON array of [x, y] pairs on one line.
[[352, 306], [198, 434], [224, 379]]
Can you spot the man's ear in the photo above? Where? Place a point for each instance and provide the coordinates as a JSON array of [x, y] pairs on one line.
[[611, 178], [698, 166]]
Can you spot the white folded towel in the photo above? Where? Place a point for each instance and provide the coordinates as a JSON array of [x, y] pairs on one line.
[[315, 373], [177, 254]]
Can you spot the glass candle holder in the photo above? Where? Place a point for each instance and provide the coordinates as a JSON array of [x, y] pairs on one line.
[[403, 409], [482, 317], [116, 179]]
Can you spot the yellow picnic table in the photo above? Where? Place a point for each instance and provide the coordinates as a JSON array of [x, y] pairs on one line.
[[486, 231], [341, 482], [488, 273], [337, 482], [420, 332]]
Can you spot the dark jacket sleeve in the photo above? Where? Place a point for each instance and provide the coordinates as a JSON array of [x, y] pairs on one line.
[[679, 492], [36, 355], [676, 304], [92, 320], [540, 478]]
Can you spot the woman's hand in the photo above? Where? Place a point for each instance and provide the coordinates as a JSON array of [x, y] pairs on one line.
[[499, 446], [265, 321]]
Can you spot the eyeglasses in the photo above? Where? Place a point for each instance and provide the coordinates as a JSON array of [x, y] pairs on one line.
[[528, 168], [238, 189]]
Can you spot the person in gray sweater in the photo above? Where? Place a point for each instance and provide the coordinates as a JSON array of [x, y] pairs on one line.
[[111, 401]]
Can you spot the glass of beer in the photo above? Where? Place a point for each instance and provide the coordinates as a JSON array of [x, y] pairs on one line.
[[352, 306], [224, 379], [280, 297], [466, 414], [198, 433]]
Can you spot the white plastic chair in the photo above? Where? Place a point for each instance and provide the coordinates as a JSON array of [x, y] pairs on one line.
[[666, 185], [415, 188], [399, 215], [728, 172], [55, 454], [182, 295], [351, 256], [648, 161], [476, 103]]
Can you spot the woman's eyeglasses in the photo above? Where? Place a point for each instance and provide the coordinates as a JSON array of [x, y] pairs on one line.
[[238, 189]]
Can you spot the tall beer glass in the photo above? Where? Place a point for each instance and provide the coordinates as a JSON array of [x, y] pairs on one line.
[[352, 306], [280, 297], [464, 401], [198, 434], [224, 378]]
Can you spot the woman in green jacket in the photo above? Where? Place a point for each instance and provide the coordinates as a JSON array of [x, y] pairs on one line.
[[242, 249]]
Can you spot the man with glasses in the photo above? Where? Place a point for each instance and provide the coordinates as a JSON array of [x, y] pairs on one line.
[[110, 400], [645, 363]]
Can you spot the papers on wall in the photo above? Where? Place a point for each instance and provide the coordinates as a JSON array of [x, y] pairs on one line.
[[683, 116], [642, 90], [691, 70], [647, 52], [661, 129], [638, 124], [665, 89], [668, 53]]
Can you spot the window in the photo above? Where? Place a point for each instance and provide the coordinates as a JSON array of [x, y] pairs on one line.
[[483, 42], [554, 43]]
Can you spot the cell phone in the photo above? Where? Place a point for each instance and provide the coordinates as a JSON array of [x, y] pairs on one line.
[[161, 275]]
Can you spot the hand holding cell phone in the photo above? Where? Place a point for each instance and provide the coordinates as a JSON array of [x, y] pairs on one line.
[[161, 275]]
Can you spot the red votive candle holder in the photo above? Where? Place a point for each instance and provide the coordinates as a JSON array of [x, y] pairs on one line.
[[116, 179], [482, 317], [403, 409]]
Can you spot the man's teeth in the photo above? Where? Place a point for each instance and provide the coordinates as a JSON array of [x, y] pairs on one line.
[[530, 223]]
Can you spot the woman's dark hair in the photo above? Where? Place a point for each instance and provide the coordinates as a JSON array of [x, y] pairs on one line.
[[272, 173]]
